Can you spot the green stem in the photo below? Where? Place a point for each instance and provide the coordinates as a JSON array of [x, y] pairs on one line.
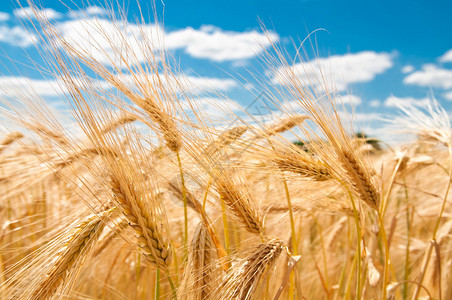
[[173, 288], [157, 284]]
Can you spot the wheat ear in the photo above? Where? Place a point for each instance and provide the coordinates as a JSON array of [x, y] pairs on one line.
[[301, 165], [128, 118], [202, 268], [150, 239], [360, 179], [9, 139], [225, 139], [78, 245], [196, 206], [240, 204], [285, 124], [245, 276]]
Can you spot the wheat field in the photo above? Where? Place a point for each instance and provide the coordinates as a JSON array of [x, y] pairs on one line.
[[147, 196]]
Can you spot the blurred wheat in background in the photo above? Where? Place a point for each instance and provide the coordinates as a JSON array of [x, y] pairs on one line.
[[149, 197]]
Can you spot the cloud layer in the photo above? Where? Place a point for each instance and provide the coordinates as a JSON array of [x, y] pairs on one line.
[[218, 45], [338, 71], [431, 76]]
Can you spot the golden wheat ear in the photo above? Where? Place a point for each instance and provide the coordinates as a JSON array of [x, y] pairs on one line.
[[150, 240], [301, 164], [245, 276], [72, 256], [285, 125], [360, 178], [9, 139], [225, 139], [202, 270], [241, 204]]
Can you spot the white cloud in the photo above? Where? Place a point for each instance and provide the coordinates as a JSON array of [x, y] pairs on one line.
[[182, 83], [407, 69], [213, 107], [17, 36], [4, 16], [366, 117], [351, 99], [448, 95], [45, 13], [446, 57], [90, 11], [218, 45], [337, 71], [22, 86], [293, 106], [394, 101], [374, 103], [431, 76], [208, 83], [111, 43], [108, 41]]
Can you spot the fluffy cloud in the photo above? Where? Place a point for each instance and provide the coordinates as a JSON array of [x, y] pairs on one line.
[[431, 76], [89, 11], [394, 101], [374, 103], [23, 87], [196, 84], [365, 117], [213, 107], [218, 45], [110, 43], [19, 86], [407, 69], [337, 71], [4, 16], [448, 95], [17, 36], [351, 99], [46, 13], [107, 41], [182, 83], [446, 57]]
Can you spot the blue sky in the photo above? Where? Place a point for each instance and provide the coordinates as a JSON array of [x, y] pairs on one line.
[[377, 53]]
